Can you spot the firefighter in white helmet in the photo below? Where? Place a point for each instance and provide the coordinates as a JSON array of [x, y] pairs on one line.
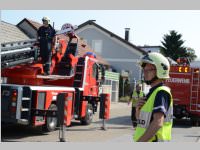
[[154, 112], [46, 38]]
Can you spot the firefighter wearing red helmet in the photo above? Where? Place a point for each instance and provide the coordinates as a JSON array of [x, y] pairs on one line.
[[154, 112], [46, 39]]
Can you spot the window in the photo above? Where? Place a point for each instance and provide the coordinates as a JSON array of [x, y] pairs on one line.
[[95, 71], [97, 46]]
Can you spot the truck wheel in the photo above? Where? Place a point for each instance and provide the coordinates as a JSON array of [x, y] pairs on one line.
[[178, 116], [195, 122], [51, 122], [89, 116]]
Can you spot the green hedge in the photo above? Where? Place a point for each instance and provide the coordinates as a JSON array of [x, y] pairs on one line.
[[124, 99]]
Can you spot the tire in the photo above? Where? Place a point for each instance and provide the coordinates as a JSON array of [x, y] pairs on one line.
[[51, 122], [89, 116], [195, 122], [178, 116]]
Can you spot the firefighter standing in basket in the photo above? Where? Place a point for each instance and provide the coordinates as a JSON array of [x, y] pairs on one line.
[[46, 39], [135, 95], [154, 113]]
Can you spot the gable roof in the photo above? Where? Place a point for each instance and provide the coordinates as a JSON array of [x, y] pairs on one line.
[[11, 33], [32, 23], [91, 22]]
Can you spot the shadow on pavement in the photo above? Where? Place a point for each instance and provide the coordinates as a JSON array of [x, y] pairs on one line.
[[182, 123], [122, 120], [12, 133], [83, 129], [98, 128], [197, 136]]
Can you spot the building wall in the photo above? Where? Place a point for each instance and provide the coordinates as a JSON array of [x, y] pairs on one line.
[[118, 54]]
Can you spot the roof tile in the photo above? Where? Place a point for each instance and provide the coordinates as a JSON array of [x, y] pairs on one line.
[[11, 33]]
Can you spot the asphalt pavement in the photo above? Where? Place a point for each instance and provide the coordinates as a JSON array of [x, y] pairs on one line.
[[119, 129]]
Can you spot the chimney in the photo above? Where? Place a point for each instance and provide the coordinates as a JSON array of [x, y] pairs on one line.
[[90, 21], [53, 24], [127, 34]]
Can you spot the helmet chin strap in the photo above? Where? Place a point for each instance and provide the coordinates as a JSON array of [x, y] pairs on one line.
[[151, 81]]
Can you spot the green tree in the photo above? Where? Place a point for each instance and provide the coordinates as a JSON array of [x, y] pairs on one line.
[[191, 53], [173, 46]]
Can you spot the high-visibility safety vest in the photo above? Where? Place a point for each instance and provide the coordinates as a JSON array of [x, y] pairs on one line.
[[135, 97], [164, 133]]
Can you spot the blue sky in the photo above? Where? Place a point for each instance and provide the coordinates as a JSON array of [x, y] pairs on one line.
[[147, 26]]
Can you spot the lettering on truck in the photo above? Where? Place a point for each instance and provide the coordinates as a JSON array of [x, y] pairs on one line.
[[178, 80]]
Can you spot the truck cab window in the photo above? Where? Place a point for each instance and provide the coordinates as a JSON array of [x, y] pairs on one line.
[[95, 71]]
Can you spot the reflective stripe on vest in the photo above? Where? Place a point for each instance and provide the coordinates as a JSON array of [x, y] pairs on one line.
[[164, 133], [135, 97]]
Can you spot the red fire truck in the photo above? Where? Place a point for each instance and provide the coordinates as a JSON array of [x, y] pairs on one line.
[[28, 97], [185, 87]]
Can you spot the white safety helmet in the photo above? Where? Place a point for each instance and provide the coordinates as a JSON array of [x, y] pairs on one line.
[[46, 19], [67, 28], [161, 63]]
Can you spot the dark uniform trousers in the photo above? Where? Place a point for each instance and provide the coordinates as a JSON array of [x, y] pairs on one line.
[[133, 117], [46, 54]]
